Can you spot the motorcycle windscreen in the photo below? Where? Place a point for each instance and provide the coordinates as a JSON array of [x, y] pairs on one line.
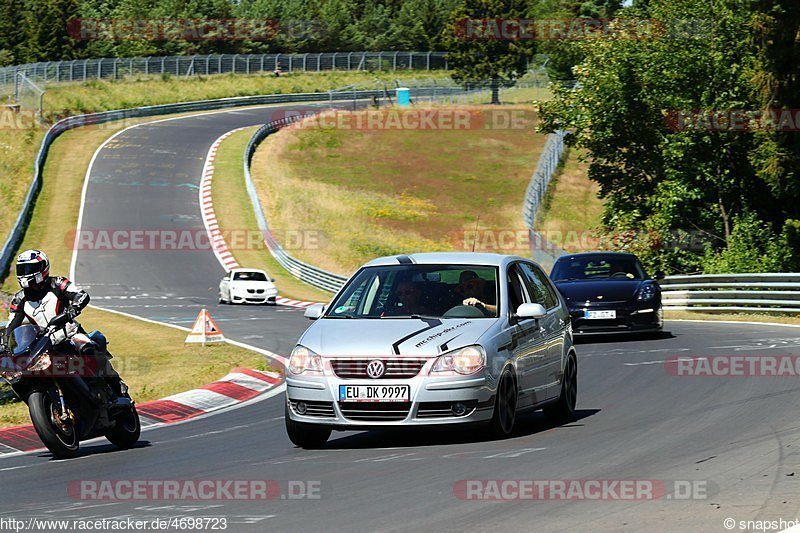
[[24, 336]]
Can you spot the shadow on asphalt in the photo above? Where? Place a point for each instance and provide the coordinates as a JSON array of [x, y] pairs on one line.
[[99, 449], [412, 437], [607, 338]]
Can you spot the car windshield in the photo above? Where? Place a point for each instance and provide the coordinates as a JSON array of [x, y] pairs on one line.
[[249, 276], [435, 291], [596, 267]]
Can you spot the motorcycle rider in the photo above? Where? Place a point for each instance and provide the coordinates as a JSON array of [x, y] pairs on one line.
[[42, 298]]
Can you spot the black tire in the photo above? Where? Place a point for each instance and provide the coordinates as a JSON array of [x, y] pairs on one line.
[[306, 436], [505, 405], [62, 441], [127, 429], [564, 409]]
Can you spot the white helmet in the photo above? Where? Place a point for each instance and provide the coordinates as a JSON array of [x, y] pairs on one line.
[[33, 269]]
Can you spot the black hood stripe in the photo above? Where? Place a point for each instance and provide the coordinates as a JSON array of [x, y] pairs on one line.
[[432, 323]]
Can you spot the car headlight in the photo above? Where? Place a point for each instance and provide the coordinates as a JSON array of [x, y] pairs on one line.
[[648, 292], [464, 361], [303, 359]]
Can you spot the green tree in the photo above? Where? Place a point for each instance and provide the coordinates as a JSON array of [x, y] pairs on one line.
[[493, 58]]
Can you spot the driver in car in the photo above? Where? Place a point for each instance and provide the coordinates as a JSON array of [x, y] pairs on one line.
[[474, 291], [44, 297], [409, 298]]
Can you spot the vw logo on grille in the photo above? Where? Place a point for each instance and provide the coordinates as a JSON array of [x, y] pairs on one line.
[[375, 369]]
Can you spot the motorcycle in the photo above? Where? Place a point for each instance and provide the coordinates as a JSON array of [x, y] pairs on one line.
[[68, 402]]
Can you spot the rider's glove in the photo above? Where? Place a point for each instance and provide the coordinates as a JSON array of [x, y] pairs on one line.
[[4, 349]]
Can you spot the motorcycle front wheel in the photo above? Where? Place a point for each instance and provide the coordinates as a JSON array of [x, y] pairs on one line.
[[56, 430]]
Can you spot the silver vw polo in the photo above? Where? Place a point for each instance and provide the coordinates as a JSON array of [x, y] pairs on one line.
[[433, 339]]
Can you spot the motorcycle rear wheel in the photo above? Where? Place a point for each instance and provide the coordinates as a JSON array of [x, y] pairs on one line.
[[127, 429]]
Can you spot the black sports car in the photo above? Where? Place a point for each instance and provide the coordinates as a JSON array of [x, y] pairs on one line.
[[609, 292]]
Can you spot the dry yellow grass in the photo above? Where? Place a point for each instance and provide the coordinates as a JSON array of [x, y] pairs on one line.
[[375, 192]]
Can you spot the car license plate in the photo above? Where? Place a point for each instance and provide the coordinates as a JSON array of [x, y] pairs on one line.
[[374, 393], [600, 315]]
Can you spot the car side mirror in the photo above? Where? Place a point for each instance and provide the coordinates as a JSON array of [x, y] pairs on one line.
[[314, 311], [272, 280], [659, 275], [528, 310]]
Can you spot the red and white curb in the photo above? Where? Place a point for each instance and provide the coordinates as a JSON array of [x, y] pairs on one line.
[[217, 239], [218, 244], [239, 386]]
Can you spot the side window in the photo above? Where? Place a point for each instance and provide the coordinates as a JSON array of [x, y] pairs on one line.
[[540, 290], [516, 293]]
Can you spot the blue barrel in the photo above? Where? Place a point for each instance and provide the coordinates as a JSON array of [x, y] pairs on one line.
[[403, 97]]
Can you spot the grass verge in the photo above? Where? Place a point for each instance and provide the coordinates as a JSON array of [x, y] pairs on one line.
[[153, 359], [734, 317], [379, 191], [571, 210], [235, 216]]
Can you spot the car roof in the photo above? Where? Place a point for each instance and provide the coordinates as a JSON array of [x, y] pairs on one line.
[[247, 270], [447, 258]]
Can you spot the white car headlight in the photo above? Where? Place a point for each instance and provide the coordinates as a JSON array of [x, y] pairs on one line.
[[303, 359], [466, 360]]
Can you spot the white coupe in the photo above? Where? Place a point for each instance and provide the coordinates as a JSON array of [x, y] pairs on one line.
[[245, 285]]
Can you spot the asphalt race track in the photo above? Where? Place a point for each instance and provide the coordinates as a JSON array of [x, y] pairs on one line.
[[736, 439]]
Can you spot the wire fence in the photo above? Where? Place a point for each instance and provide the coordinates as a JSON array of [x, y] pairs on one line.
[[543, 251], [82, 70]]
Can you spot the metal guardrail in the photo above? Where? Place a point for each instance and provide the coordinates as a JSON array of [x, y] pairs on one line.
[[16, 234], [82, 70], [771, 293], [322, 279], [543, 251]]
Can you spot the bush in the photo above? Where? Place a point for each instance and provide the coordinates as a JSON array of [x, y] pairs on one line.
[[752, 247]]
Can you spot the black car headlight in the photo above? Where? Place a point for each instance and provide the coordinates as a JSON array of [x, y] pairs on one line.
[[647, 292]]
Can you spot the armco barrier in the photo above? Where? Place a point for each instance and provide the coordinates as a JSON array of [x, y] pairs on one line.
[[17, 231], [319, 278], [771, 293]]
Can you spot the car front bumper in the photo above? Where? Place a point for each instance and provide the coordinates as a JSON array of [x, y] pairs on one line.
[[630, 318], [253, 298], [432, 401]]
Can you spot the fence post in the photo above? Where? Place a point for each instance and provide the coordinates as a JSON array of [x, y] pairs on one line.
[[99, 68], [394, 61], [428, 61], [333, 64]]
